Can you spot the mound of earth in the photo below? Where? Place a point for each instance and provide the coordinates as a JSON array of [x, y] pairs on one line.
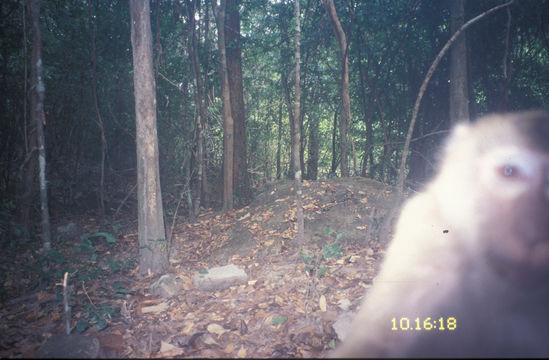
[[338, 210]]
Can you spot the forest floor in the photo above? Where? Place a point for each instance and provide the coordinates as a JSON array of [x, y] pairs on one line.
[[287, 308]]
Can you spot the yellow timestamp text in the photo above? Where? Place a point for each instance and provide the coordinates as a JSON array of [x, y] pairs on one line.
[[427, 324]]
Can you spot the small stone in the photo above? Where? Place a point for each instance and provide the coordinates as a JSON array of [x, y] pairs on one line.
[[166, 286], [220, 278]]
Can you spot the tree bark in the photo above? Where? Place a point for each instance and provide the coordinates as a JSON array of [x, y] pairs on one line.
[[345, 115], [291, 117], [228, 123], [367, 111], [241, 179], [279, 141], [199, 99], [296, 140], [98, 114], [459, 89], [312, 161], [38, 91], [153, 248], [335, 161]]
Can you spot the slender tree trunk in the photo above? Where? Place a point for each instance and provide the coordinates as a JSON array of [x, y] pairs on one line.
[[367, 110], [153, 248], [199, 99], [333, 168], [26, 171], [267, 162], [38, 91], [504, 94], [241, 179], [423, 87], [28, 174], [401, 176], [459, 89], [291, 117], [228, 123], [345, 115], [98, 114], [312, 161], [205, 100], [296, 140], [279, 140]]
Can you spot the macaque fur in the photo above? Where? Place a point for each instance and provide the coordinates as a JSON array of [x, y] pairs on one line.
[[470, 255]]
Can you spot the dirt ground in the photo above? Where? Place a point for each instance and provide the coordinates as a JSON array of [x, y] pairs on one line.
[[286, 309]]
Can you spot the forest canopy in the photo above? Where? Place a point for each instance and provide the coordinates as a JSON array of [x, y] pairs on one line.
[[390, 45]]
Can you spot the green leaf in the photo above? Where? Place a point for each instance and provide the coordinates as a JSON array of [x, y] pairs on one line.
[[101, 324], [323, 270], [82, 325], [332, 250], [110, 239], [279, 320]]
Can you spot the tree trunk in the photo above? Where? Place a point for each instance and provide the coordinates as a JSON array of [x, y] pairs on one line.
[[432, 68], [279, 141], [37, 112], [296, 140], [205, 100], [345, 115], [459, 89], [312, 161], [152, 239], [228, 123], [241, 179], [98, 114], [334, 147], [291, 117], [367, 111], [199, 99]]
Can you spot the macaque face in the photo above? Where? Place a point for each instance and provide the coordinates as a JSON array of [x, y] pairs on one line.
[[515, 218], [494, 182], [473, 248]]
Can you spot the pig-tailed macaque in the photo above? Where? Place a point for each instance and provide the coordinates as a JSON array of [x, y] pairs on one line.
[[467, 273]]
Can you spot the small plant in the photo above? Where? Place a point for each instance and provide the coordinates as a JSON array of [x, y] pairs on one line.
[[316, 261], [333, 233], [332, 250], [110, 239]]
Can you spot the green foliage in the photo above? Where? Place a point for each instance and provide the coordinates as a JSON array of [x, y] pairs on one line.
[[116, 290], [332, 250], [316, 261], [81, 325], [337, 235], [279, 320], [307, 256], [57, 257], [391, 45], [100, 315], [108, 237]]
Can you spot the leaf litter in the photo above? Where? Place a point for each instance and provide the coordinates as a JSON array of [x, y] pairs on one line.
[[286, 309]]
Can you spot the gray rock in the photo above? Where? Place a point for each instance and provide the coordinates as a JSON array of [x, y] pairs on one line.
[[166, 286], [220, 278], [69, 230]]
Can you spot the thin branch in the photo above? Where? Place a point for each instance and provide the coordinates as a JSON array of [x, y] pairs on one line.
[[400, 183]]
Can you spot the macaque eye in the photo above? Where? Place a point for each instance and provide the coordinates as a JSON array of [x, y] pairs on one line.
[[509, 171]]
